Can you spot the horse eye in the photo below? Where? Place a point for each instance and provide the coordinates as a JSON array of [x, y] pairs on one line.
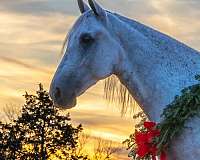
[[86, 39]]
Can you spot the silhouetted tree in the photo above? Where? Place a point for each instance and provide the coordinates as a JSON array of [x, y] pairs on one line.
[[11, 112], [10, 141], [40, 132], [105, 149]]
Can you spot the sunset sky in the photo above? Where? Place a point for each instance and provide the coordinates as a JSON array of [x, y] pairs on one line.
[[31, 37]]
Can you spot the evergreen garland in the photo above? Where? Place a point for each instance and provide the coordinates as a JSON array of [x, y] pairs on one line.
[[177, 113], [175, 116]]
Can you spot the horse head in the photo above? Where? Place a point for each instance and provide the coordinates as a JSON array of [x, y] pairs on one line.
[[92, 53]]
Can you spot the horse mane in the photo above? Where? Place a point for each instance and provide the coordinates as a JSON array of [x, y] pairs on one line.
[[114, 91], [117, 94]]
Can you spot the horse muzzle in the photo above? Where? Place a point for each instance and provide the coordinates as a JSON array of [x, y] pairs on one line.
[[61, 100]]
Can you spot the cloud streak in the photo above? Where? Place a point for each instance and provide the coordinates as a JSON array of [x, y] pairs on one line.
[[26, 65]]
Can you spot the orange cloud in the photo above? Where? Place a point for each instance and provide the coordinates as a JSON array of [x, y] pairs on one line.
[[26, 65]]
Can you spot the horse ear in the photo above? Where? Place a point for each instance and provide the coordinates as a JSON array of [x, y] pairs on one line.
[[83, 6], [97, 9]]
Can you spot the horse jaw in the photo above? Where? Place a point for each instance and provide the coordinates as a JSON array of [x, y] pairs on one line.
[[66, 88]]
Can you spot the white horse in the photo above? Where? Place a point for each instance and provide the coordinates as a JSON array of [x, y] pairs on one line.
[[153, 66]]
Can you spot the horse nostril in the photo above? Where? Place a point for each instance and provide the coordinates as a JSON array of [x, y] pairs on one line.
[[57, 93]]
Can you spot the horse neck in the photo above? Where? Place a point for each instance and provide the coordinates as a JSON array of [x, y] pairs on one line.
[[154, 67]]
